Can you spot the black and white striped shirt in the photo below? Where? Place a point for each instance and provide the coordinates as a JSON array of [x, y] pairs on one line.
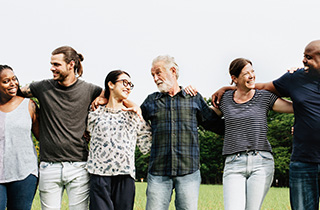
[[246, 123]]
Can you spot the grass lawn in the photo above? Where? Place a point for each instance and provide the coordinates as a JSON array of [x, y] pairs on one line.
[[211, 197]]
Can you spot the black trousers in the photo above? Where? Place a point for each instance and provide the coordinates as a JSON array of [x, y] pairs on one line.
[[112, 192]]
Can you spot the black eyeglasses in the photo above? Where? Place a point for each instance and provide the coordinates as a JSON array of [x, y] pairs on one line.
[[126, 83]]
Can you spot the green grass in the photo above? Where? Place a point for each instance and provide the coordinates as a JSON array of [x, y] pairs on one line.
[[211, 197]]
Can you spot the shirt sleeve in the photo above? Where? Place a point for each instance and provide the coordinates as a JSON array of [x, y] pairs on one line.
[[272, 100], [208, 118], [144, 137], [35, 87], [92, 118], [96, 91], [282, 84]]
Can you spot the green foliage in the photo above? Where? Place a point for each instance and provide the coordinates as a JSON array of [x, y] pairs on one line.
[[280, 138], [141, 163], [210, 156]]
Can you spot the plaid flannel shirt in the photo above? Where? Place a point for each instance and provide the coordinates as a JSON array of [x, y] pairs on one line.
[[174, 121]]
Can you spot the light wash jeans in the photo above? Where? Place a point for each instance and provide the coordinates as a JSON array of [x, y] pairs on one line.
[[304, 185], [247, 178], [159, 191], [55, 177]]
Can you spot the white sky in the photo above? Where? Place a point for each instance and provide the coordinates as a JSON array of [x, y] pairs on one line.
[[204, 36]]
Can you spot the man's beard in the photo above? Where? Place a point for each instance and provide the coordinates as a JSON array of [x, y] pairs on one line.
[[164, 87]]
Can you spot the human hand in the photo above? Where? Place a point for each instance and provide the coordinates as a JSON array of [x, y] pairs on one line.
[[293, 69], [98, 101], [191, 90], [86, 136], [216, 97]]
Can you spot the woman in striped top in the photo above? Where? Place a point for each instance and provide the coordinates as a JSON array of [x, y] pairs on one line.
[[249, 164]]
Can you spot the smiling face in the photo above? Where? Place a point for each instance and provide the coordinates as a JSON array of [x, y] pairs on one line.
[[59, 68], [163, 77], [121, 89], [246, 78], [8, 83], [311, 59]]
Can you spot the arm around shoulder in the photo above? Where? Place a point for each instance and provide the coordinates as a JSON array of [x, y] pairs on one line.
[[283, 106], [34, 114], [25, 91], [216, 97], [267, 86]]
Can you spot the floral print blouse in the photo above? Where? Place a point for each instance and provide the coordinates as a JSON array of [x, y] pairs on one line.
[[114, 136]]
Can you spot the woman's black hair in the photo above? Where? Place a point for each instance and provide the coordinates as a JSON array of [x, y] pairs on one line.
[[112, 77]]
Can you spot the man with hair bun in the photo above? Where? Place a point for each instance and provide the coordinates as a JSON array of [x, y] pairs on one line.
[[64, 102]]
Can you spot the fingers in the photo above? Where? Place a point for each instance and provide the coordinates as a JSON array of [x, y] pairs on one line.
[[215, 100], [94, 105], [190, 90], [293, 69]]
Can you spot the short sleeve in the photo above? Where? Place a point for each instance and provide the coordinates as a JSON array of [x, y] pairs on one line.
[[282, 84]]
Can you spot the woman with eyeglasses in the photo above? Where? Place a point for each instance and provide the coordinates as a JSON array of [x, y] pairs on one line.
[[114, 136]]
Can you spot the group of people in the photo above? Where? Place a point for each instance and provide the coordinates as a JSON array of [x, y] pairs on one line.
[[74, 112]]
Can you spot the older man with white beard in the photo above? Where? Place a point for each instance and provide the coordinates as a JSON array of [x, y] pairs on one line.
[[175, 157]]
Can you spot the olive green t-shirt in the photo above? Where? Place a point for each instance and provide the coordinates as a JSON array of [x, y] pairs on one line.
[[63, 114]]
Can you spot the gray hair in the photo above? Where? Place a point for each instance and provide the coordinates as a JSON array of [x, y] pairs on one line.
[[169, 62]]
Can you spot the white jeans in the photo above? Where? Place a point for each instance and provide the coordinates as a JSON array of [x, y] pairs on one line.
[[55, 177], [247, 178]]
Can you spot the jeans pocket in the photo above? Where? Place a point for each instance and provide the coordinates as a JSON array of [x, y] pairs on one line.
[[231, 158], [266, 155], [79, 164]]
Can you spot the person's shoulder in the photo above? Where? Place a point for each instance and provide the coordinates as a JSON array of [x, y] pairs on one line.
[[262, 91], [43, 82], [154, 95], [151, 98], [265, 94], [228, 93], [82, 82]]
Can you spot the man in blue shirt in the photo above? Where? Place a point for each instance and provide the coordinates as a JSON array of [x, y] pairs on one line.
[[303, 87], [174, 116]]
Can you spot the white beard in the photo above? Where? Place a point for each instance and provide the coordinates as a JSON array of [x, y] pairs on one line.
[[164, 87]]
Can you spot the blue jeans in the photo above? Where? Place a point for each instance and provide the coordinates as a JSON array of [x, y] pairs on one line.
[[159, 191], [18, 195], [55, 177], [247, 178], [304, 185]]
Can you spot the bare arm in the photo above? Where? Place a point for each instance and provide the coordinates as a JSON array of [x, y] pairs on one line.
[[132, 107], [26, 91], [217, 111], [34, 114], [99, 101], [267, 86], [283, 106], [216, 97]]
